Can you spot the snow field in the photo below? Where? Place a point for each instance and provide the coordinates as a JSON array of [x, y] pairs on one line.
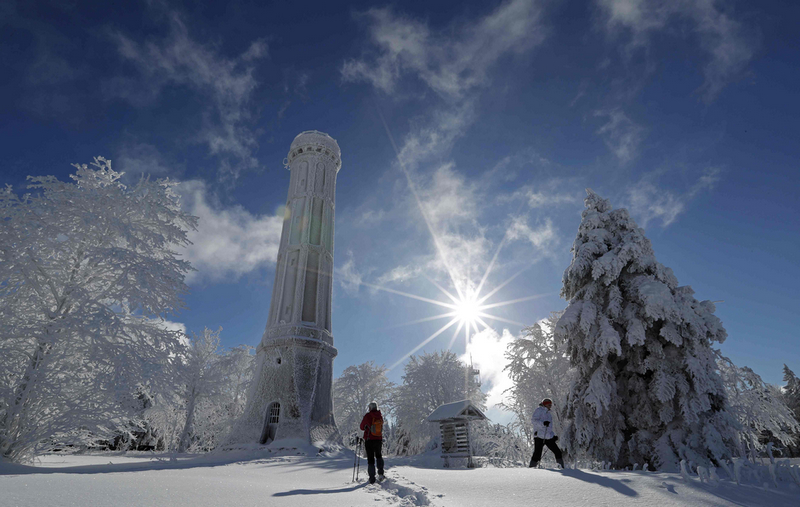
[[296, 480]]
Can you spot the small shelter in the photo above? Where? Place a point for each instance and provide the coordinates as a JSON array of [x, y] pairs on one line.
[[454, 419]]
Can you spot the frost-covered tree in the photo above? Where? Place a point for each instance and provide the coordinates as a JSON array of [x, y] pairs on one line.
[[86, 269], [201, 379], [355, 389], [430, 380], [791, 396], [239, 364], [647, 386], [757, 406], [206, 397], [539, 367]]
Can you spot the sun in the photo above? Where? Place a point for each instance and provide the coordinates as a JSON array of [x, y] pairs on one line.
[[468, 310]]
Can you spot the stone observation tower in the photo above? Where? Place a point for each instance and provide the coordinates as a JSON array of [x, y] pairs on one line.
[[291, 393]]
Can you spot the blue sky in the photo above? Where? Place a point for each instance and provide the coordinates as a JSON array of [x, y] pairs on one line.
[[498, 114]]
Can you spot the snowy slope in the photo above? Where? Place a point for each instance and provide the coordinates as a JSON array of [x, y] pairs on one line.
[[290, 480]]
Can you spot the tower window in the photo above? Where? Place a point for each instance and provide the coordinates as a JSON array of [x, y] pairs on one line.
[[274, 413]]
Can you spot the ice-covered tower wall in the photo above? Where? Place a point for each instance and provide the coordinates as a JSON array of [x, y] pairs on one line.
[[291, 393]]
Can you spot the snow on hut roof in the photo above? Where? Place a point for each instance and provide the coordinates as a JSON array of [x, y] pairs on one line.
[[463, 409]]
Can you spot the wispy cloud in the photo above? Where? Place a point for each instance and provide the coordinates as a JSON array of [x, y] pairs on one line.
[[348, 275], [229, 242], [456, 63], [450, 62], [136, 159], [650, 202], [621, 134], [540, 237], [225, 85], [400, 274], [726, 42]]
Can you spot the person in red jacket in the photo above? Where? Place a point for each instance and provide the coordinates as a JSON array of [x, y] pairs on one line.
[[372, 424]]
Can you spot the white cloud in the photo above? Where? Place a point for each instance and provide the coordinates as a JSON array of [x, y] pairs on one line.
[[650, 202], [229, 242], [136, 159], [621, 134], [451, 62], [456, 63], [226, 85], [728, 48], [348, 276], [399, 274], [542, 237], [487, 351]]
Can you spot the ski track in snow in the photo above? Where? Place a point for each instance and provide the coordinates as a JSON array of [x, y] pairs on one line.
[[400, 491]]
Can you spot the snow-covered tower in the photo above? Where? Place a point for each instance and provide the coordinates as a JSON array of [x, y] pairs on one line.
[[291, 395]]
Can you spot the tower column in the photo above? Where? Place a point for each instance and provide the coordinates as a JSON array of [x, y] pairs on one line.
[[291, 395]]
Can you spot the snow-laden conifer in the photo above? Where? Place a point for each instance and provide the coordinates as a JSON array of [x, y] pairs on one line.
[[647, 387], [86, 269], [791, 396], [759, 408]]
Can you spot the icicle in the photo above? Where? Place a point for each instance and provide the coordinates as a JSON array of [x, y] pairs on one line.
[[794, 473], [737, 470], [702, 473], [684, 473], [713, 477], [726, 468], [772, 474]]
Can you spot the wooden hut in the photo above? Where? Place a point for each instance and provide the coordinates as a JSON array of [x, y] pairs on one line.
[[454, 419]]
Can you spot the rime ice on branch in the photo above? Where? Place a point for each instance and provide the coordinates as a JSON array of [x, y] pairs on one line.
[[85, 267], [647, 387]]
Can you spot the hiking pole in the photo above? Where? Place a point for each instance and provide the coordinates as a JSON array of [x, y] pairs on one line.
[[358, 468], [544, 453], [355, 457]]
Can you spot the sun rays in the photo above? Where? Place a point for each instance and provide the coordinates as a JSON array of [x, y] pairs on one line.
[[468, 307]]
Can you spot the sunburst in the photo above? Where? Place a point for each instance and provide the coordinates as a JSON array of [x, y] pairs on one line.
[[467, 309]]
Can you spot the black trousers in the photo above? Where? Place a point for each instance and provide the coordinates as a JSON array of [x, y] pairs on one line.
[[538, 446], [373, 448]]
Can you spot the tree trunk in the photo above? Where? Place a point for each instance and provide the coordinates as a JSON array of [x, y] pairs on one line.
[[184, 441]]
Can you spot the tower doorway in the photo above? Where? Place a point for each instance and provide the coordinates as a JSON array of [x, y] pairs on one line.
[[271, 422]]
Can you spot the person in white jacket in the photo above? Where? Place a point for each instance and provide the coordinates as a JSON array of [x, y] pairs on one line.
[[542, 421]]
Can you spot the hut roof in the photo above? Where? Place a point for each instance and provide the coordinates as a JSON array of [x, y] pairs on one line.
[[463, 409]]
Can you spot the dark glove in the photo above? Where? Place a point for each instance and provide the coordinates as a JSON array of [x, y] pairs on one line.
[[546, 423]]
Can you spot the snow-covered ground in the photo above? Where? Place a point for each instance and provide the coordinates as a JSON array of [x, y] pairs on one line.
[[291, 480]]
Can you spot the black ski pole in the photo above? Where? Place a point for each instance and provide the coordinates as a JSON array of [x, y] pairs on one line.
[[355, 457], [358, 454]]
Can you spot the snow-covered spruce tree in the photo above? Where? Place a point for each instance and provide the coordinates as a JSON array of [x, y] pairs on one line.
[[430, 380], [791, 396], [86, 268], [355, 389], [759, 408], [539, 367], [647, 387]]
